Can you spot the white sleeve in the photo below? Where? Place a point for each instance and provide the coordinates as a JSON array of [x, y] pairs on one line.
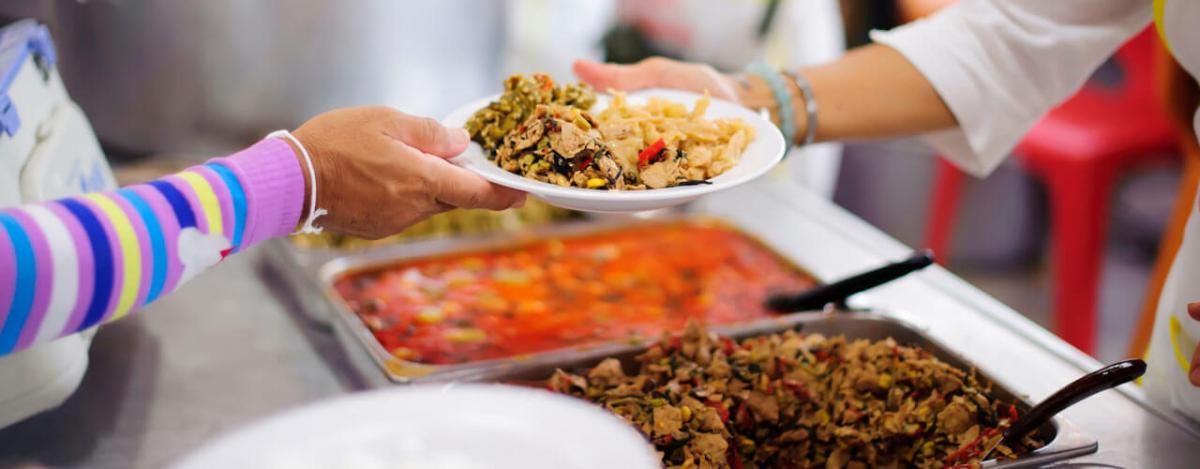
[[1001, 65]]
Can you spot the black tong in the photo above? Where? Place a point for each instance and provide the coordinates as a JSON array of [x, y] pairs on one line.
[[837, 292]]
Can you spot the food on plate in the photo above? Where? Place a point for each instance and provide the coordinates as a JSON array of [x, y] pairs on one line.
[[662, 143], [522, 95], [629, 283], [561, 145], [549, 134], [795, 400], [454, 222]]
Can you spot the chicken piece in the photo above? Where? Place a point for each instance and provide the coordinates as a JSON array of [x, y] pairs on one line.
[[763, 406], [718, 368], [609, 169], [667, 421], [570, 139], [661, 174], [564, 382], [838, 459], [794, 436], [534, 129], [956, 417], [607, 373], [710, 420], [709, 446]]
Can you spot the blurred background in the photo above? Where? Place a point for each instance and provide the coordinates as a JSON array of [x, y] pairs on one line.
[[166, 84]]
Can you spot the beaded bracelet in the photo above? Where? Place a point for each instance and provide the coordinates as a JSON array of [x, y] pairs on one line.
[[783, 97], [810, 105]]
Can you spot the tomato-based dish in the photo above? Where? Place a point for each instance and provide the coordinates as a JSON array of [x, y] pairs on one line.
[[625, 284]]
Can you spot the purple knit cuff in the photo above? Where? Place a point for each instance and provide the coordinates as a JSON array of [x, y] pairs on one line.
[[273, 181]]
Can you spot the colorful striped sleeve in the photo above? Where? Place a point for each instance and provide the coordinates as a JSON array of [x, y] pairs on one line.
[[71, 264]]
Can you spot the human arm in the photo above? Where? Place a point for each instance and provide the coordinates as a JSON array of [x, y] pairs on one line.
[[971, 79], [70, 264]]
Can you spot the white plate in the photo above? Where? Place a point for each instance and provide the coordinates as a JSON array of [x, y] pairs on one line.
[[435, 427], [763, 153]]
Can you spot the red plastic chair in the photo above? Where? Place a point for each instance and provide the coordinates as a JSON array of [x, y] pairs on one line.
[[1078, 151]]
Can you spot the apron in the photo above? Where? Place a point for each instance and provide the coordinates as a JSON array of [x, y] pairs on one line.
[[1175, 333]]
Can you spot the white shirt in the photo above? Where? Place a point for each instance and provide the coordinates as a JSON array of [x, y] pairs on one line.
[[1001, 65]]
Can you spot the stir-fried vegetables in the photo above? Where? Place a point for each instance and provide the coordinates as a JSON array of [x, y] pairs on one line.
[[791, 400], [561, 145], [545, 132], [522, 95]]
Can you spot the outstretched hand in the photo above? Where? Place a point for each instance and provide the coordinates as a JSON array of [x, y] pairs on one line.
[[380, 170], [657, 72]]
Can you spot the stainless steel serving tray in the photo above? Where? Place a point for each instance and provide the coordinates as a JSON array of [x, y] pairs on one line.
[[380, 367], [377, 367], [1066, 440]]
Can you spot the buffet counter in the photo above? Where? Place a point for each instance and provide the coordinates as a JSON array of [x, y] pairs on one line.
[[241, 342]]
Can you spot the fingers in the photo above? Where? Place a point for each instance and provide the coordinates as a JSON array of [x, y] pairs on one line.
[[463, 189], [603, 76], [1194, 375], [428, 135], [1193, 310]]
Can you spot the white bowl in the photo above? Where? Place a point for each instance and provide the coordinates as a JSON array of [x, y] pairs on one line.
[[436, 427], [763, 153]]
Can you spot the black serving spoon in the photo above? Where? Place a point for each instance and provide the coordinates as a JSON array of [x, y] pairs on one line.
[[838, 291], [1105, 378]]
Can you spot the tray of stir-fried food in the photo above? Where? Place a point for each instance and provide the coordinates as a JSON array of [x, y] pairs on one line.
[[847, 390]]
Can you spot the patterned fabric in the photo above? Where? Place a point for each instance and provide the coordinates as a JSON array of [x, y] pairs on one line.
[[71, 264]]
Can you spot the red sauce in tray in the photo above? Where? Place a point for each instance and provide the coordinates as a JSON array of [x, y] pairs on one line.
[[617, 285]]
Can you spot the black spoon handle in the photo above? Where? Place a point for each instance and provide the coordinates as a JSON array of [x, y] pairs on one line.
[[837, 292], [1108, 377]]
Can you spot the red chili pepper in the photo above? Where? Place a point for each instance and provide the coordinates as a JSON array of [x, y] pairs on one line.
[[586, 162], [547, 82], [742, 416], [735, 458], [720, 408], [965, 452], [728, 345], [821, 355], [796, 387], [1012, 413], [651, 153]]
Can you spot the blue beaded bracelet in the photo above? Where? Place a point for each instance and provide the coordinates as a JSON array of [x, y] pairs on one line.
[[783, 97]]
